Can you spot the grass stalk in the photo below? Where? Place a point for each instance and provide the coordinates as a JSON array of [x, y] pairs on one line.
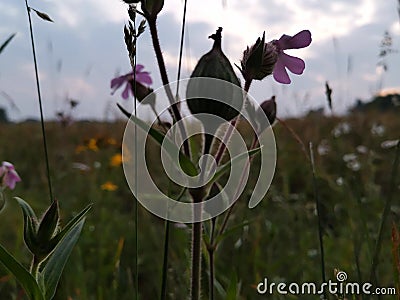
[[164, 275], [318, 205], [46, 155]]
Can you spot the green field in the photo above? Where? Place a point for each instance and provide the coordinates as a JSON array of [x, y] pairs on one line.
[[278, 239]]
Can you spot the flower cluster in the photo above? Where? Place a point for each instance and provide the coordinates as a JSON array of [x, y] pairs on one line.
[[10, 176]]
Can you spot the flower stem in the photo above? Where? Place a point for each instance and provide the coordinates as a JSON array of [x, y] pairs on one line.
[[176, 114], [40, 103], [34, 270], [211, 252], [196, 261]]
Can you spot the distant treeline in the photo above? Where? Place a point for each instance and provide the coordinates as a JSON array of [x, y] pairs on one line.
[[379, 103]]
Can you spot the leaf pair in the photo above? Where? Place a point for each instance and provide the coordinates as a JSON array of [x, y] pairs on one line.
[[42, 285]]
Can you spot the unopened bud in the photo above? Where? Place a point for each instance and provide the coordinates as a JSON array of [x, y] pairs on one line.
[[214, 64], [259, 60], [269, 109], [152, 7]]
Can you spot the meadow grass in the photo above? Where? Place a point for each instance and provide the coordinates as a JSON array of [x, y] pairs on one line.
[[279, 238]]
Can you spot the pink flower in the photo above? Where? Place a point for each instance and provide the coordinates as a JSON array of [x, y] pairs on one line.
[[294, 64], [10, 176], [127, 79]]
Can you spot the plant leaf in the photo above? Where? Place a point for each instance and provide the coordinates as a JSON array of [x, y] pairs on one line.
[[42, 15], [232, 291], [232, 230], [21, 274], [169, 146], [55, 264], [30, 226], [3, 46], [70, 225]]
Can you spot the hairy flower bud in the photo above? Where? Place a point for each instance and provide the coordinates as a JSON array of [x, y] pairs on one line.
[[259, 60]]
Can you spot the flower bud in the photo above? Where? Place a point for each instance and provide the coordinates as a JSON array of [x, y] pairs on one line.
[[259, 60], [269, 109], [152, 7], [266, 109], [214, 64]]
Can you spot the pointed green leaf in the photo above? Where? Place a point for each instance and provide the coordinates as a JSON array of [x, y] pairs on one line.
[[42, 15], [71, 224], [187, 165], [3, 46], [45, 249], [30, 226], [21, 274], [55, 264], [26, 208], [232, 230], [225, 167], [48, 224]]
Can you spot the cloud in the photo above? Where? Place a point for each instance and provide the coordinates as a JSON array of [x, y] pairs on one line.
[[88, 34]]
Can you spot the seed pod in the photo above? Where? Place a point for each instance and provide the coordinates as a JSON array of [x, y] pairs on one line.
[[214, 64]]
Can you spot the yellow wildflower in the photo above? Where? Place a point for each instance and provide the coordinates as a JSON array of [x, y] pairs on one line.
[[109, 186], [92, 145], [116, 160]]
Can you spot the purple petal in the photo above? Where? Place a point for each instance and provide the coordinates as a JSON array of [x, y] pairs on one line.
[[117, 82], [280, 73], [125, 93], [7, 165], [144, 77], [300, 40], [10, 179], [138, 68], [294, 64]]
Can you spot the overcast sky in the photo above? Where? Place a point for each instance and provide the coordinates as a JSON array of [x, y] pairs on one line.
[[83, 49]]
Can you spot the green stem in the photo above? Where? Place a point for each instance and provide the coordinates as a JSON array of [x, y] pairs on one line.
[[40, 103], [34, 270]]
